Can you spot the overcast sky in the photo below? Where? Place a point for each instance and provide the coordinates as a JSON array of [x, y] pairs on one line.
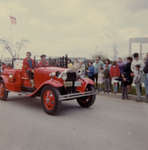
[[75, 27]]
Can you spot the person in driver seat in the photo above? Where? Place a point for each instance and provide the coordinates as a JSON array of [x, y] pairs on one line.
[[28, 66], [43, 62]]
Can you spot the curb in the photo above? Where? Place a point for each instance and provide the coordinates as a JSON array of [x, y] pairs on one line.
[[119, 95]]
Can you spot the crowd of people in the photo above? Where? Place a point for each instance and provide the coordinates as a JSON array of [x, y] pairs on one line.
[[109, 76]]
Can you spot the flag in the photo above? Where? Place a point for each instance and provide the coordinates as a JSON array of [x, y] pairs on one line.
[[12, 20]]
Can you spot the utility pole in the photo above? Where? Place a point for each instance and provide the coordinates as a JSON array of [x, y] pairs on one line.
[[141, 49], [115, 51]]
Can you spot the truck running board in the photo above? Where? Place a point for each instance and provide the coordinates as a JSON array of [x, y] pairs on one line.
[[76, 95]]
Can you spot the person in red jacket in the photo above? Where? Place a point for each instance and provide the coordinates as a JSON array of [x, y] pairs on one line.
[[115, 74], [3, 67], [43, 62], [28, 62], [28, 66]]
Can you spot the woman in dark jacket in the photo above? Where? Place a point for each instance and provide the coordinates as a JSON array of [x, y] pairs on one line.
[[126, 78], [128, 72]]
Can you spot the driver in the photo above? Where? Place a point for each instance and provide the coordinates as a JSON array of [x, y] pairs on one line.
[[28, 65], [43, 62]]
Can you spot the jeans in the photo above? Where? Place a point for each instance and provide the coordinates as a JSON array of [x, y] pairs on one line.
[[30, 74], [138, 91], [146, 83], [96, 78], [107, 86], [115, 84], [100, 87], [124, 92], [92, 78], [115, 87]]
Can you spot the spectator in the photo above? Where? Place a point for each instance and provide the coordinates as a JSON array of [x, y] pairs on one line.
[[100, 79], [107, 62], [115, 74], [107, 85], [145, 70], [121, 64], [124, 84], [82, 68], [70, 65], [128, 72], [76, 64], [91, 71], [97, 65], [137, 81], [136, 61]]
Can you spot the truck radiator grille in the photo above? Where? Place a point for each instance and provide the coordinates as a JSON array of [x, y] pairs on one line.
[[71, 76]]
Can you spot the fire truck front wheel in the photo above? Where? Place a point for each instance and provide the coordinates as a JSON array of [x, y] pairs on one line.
[[50, 100], [87, 101]]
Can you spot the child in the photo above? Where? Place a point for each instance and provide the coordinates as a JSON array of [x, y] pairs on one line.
[[107, 87], [137, 81], [100, 79], [115, 74]]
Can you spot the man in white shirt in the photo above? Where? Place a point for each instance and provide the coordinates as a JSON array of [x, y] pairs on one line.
[[136, 61], [97, 65]]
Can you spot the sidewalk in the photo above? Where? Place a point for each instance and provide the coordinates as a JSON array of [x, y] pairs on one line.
[[119, 95]]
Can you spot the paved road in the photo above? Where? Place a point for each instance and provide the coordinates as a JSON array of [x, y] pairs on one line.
[[111, 124]]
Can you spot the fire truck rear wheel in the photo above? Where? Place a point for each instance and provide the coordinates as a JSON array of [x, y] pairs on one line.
[[50, 100], [3, 91], [86, 102]]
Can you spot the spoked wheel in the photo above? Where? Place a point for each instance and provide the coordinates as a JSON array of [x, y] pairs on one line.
[[3, 91], [50, 100], [87, 101]]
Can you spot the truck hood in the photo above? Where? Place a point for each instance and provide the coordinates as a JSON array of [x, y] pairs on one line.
[[51, 69]]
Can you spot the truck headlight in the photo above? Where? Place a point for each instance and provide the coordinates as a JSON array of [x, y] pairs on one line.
[[10, 76], [64, 76], [79, 72], [52, 74]]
